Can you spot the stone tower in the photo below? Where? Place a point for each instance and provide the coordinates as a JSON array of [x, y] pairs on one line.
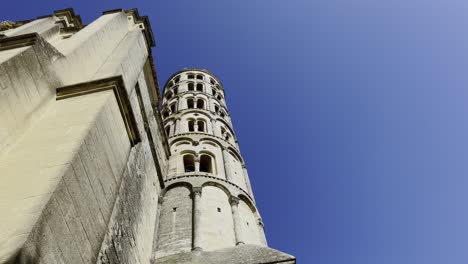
[[208, 203], [97, 167]]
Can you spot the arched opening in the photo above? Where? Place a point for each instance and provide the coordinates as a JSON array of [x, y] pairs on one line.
[[171, 83], [213, 92], [227, 137], [177, 79], [200, 104], [201, 126], [189, 163], [168, 95], [222, 114], [223, 130], [212, 81], [176, 89], [173, 107], [191, 125], [165, 113], [206, 164], [216, 108], [191, 86], [190, 76], [219, 97], [190, 103], [200, 77], [199, 87]]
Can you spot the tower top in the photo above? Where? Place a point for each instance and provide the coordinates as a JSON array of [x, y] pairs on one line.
[[192, 69]]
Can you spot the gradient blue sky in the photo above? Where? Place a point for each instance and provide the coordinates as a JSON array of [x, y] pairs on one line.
[[351, 115]]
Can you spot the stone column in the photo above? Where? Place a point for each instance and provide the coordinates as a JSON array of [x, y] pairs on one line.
[[196, 194], [227, 164], [177, 126], [234, 201], [247, 181], [197, 164], [213, 127]]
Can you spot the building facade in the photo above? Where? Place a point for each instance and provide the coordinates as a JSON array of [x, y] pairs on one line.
[[97, 167]]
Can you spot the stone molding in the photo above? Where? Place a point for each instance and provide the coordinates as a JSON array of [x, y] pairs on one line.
[[115, 84], [197, 175], [210, 135], [193, 69], [19, 41]]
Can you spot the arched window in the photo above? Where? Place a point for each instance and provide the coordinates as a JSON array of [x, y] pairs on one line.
[[176, 89], [168, 95], [190, 76], [177, 79], [190, 103], [190, 86], [200, 77], [171, 83], [191, 125], [201, 126], [212, 81], [166, 113], [173, 107], [216, 108], [206, 164], [219, 97], [213, 92], [222, 114], [168, 130], [223, 130], [199, 87], [189, 163], [200, 103], [227, 137]]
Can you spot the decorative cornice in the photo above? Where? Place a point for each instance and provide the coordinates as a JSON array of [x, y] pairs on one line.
[[193, 69], [209, 177], [115, 84], [19, 41], [147, 31]]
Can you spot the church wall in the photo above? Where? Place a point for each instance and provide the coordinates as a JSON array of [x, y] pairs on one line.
[[249, 224]]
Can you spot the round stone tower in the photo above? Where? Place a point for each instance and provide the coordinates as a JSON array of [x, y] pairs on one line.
[[208, 202]]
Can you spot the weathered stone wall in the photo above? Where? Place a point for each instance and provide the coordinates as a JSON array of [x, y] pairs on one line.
[[217, 227], [175, 222]]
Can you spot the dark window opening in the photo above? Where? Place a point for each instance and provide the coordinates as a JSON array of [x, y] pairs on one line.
[[189, 163], [168, 130], [174, 209], [201, 126], [216, 109], [165, 114], [177, 79], [173, 108], [212, 81], [199, 87], [190, 103], [206, 164], [219, 210], [191, 125], [200, 77], [219, 97], [176, 89], [190, 76], [200, 104], [190, 86], [222, 114], [171, 84]]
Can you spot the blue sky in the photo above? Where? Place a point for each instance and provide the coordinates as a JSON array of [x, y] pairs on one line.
[[351, 115]]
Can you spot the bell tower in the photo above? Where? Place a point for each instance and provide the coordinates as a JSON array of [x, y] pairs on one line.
[[208, 203]]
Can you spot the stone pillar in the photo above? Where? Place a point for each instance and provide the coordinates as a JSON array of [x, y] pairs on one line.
[[196, 194], [234, 201], [247, 181], [195, 126], [213, 127], [227, 164], [197, 164], [177, 126]]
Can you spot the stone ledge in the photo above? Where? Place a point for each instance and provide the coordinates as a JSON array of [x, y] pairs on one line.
[[242, 254], [113, 83]]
